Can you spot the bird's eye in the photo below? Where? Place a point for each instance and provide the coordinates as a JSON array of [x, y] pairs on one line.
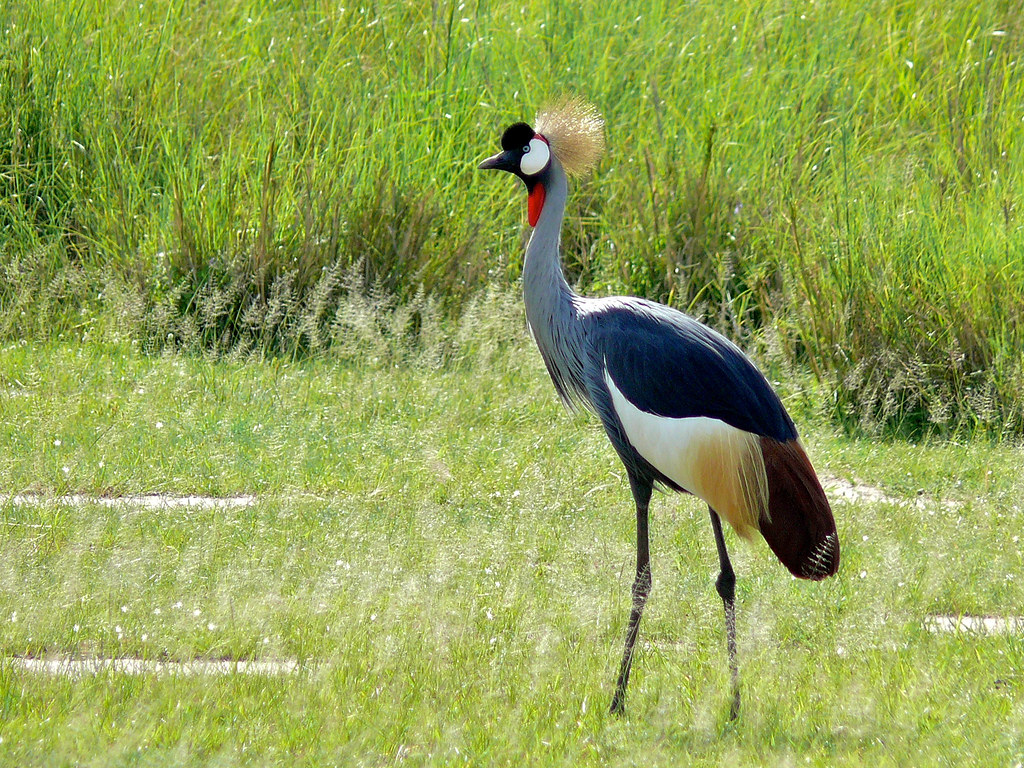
[[535, 157]]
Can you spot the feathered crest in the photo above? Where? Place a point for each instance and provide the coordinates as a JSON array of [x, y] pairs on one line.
[[575, 131]]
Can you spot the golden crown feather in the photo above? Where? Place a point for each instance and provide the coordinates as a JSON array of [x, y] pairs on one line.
[[575, 132]]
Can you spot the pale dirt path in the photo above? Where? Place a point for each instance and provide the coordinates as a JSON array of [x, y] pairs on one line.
[[153, 501], [81, 667]]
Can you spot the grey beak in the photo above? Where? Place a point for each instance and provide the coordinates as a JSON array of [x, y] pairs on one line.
[[500, 162]]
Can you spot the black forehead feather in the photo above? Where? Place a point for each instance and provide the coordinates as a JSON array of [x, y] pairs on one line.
[[516, 136]]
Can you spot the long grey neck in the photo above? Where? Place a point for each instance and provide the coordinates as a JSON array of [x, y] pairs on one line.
[[544, 285], [551, 305]]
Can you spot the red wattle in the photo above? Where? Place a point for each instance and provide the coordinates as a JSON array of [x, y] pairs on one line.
[[534, 203]]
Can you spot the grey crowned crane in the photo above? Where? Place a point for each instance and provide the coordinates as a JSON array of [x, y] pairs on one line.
[[683, 407]]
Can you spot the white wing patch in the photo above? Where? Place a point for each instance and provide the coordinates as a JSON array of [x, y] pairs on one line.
[[716, 462]]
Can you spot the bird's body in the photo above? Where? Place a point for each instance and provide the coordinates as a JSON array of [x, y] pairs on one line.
[[681, 404]]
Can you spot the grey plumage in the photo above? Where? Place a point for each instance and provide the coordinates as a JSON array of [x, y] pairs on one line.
[[553, 310]]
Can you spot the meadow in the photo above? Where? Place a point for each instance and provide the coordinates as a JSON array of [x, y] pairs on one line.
[[245, 255], [445, 554]]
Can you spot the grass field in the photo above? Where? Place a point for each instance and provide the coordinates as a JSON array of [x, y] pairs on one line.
[[447, 555], [244, 252]]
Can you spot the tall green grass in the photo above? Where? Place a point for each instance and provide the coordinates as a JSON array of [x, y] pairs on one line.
[[836, 180]]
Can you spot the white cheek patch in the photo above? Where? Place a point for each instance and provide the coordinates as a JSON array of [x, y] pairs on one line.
[[537, 158]]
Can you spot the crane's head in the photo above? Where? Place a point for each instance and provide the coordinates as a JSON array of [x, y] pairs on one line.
[[570, 130]]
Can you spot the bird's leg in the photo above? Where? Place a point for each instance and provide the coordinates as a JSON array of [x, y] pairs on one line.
[[726, 586], [641, 588]]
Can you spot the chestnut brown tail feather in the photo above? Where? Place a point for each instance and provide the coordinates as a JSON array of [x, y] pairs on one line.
[[799, 526]]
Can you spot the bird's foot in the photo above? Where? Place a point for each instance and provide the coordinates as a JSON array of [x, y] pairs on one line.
[[734, 707], [618, 707]]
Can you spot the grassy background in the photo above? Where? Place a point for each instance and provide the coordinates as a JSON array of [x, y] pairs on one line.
[[835, 180], [288, 191], [448, 554]]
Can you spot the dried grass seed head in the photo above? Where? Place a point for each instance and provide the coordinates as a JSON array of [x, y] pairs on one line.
[[575, 132]]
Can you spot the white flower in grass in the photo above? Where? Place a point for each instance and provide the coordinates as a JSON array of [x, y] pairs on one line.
[[196, 613], [57, 443], [211, 626], [159, 425]]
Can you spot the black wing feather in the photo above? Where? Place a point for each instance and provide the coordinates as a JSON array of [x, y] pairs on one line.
[[668, 364]]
